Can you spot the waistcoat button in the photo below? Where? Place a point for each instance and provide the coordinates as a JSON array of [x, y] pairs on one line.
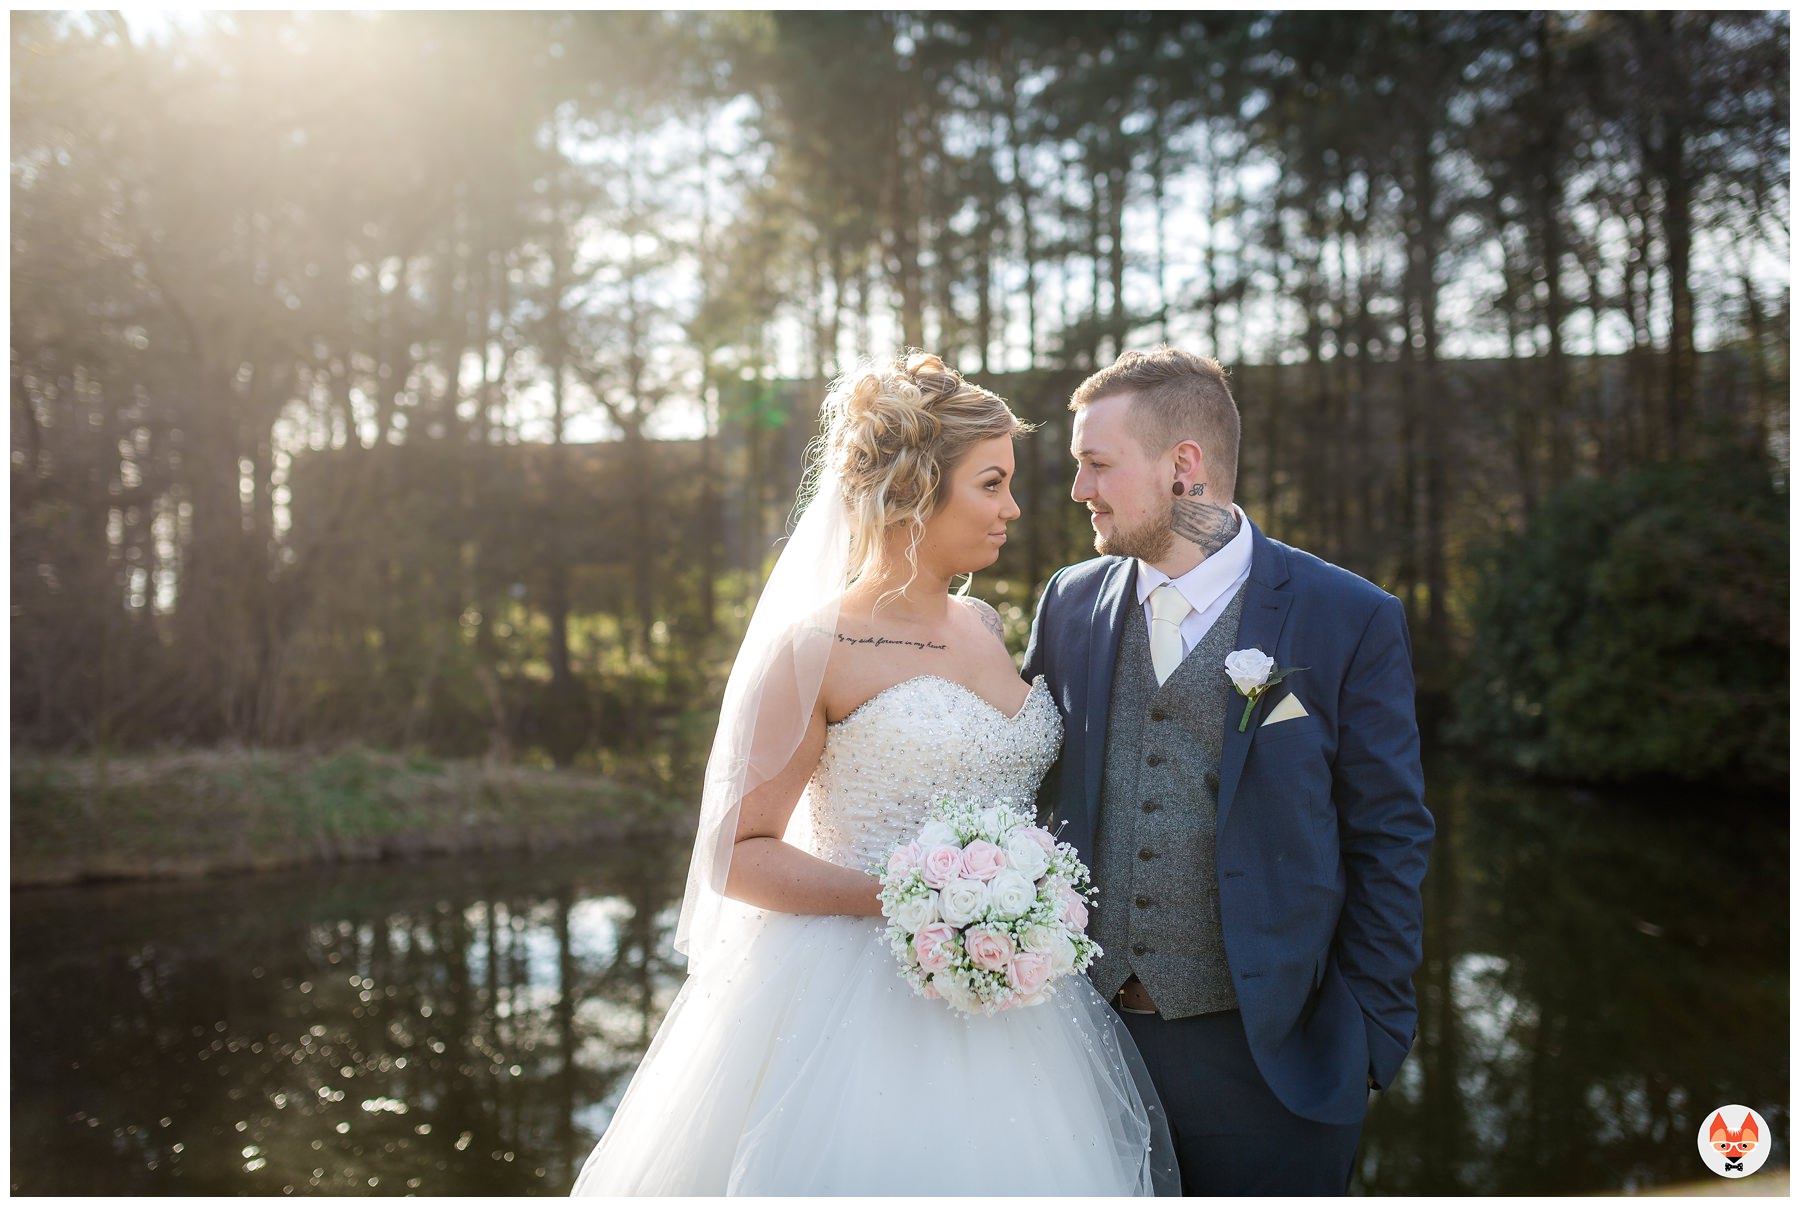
[[1156, 714], [1154, 761], [1149, 806], [1146, 853], [1143, 903], [1139, 949]]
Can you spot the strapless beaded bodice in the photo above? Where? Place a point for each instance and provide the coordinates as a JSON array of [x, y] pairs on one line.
[[917, 742]]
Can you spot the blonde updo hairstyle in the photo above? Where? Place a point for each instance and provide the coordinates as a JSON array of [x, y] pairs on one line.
[[894, 430]]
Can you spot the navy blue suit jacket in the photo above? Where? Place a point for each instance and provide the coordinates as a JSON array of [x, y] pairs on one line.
[[1323, 833]]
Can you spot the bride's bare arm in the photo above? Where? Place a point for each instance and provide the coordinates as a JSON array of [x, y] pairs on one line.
[[769, 873]]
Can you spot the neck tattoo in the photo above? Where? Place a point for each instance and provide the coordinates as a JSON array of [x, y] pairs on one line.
[[881, 641], [1207, 525]]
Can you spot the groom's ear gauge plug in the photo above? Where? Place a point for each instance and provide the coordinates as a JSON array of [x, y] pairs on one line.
[[1180, 489]]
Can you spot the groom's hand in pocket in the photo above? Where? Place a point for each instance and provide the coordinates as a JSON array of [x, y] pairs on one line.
[[1384, 836]]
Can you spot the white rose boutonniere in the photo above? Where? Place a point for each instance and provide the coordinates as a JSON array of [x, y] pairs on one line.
[[1253, 673]]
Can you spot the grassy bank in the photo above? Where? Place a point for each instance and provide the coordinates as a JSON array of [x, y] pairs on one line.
[[199, 813], [1768, 1183]]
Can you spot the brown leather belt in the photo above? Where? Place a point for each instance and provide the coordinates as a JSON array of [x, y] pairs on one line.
[[1133, 998]]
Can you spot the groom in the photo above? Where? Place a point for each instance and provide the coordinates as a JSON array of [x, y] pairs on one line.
[[1258, 859]]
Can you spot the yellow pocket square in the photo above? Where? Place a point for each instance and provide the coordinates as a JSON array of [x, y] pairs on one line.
[[1289, 708]]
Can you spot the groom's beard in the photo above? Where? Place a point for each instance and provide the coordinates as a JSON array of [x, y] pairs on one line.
[[1150, 540]]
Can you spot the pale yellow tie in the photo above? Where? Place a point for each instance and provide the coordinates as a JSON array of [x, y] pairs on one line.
[[1168, 608]]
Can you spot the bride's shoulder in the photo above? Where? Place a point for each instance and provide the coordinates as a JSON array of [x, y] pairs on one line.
[[808, 631], [984, 611], [790, 641]]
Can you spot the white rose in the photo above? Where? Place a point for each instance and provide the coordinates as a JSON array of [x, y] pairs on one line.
[[962, 901], [993, 822], [935, 833], [957, 994], [1039, 938], [1249, 669], [1062, 954], [1010, 895], [915, 912], [1025, 856]]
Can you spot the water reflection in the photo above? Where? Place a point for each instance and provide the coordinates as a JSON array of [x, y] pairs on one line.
[[1597, 975], [437, 1029]]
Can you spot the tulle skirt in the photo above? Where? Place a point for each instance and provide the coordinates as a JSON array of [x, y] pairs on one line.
[[802, 1064]]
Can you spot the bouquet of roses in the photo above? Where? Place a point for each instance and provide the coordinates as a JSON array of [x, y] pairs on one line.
[[985, 910]]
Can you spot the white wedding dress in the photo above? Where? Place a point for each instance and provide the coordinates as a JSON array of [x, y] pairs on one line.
[[800, 1063]]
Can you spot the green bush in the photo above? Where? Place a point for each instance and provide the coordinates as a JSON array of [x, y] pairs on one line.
[[1638, 628]]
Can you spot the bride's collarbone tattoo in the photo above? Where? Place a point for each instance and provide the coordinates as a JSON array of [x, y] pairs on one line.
[[879, 641]]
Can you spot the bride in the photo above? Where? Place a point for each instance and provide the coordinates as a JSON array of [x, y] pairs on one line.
[[795, 1060]]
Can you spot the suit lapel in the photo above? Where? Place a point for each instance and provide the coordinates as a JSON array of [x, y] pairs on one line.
[[1266, 604], [1112, 608]]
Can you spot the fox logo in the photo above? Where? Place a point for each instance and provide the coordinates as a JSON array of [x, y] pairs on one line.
[[1734, 1152], [1733, 1144]]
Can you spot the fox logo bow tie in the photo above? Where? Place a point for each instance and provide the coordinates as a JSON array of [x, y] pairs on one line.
[[1737, 1165]]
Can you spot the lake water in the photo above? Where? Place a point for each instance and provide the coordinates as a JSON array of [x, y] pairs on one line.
[[1600, 972]]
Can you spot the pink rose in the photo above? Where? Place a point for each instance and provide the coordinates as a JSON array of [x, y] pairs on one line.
[[933, 946], [903, 860], [1074, 911], [1029, 972], [1040, 836], [982, 860], [989, 948], [940, 865]]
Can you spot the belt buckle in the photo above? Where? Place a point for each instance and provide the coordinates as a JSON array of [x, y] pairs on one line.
[[1119, 1003]]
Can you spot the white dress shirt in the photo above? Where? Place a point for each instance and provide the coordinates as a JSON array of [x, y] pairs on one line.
[[1208, 587]]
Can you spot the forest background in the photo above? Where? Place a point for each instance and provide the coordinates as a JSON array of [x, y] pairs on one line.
[[439, 383]]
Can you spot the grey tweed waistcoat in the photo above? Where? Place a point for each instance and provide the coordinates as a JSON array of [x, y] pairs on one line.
[[1155, 859]]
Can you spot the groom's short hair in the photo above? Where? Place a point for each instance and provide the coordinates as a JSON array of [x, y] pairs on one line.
[[1179, 396]]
